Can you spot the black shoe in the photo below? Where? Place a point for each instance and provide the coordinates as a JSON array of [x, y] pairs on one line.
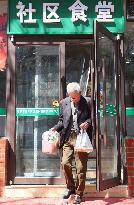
[[77, 199], [67, 194]]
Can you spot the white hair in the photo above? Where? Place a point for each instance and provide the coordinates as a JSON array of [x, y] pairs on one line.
[[73, 87]]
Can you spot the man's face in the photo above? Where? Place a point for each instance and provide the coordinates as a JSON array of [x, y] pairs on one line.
[[75, 96]]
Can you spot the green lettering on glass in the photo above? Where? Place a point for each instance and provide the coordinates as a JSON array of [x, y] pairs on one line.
[[37, 111], [110, 110], [63, 17], [32, 111]]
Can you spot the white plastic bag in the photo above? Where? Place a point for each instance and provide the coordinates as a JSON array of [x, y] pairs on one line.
[[50, 140], [83, 143]]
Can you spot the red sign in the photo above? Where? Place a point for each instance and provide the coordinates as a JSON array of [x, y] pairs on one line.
[[3, 40]]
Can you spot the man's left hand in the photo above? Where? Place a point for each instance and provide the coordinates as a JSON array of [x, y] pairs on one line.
[[84, 125]]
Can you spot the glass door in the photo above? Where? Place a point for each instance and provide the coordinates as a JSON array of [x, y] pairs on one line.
[[38, 91], [107, 108]]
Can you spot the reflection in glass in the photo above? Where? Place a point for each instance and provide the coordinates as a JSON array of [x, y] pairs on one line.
[[77, 64], [107, 85], [2, 102], [129, 80], [37, 87]]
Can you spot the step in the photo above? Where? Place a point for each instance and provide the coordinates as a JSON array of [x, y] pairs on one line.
[[58, 190]]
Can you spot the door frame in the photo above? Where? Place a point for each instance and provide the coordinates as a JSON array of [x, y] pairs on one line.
[[18, 40], [104, 184], [11, 99], [13, 41]]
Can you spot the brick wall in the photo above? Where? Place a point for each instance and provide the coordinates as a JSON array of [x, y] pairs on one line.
[[129, 142], [4, 145]]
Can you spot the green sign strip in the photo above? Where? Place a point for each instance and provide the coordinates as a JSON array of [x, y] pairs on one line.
[[110, 110], [32, 111], [37, 111], [3, 111], [130, 111], [63, 17]]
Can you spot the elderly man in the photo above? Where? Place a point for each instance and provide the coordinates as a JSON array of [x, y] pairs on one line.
[[75, 115]]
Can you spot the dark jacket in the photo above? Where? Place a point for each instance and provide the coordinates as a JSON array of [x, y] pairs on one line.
[[65, 119]]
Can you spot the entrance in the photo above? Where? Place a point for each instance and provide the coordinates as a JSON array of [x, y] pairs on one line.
[[43, 68]]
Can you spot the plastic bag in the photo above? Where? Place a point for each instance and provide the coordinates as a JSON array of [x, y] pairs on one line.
[[50, 140], [83, 143]]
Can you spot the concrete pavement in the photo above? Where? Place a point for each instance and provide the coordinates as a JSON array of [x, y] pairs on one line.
[[59, 201]]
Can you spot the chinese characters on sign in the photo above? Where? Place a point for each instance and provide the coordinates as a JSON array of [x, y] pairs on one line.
[[52, 8], [104, 11], [78, 11], [50, 12], [23, 12]]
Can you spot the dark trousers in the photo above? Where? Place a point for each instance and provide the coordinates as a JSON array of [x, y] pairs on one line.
[[81, 159]]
